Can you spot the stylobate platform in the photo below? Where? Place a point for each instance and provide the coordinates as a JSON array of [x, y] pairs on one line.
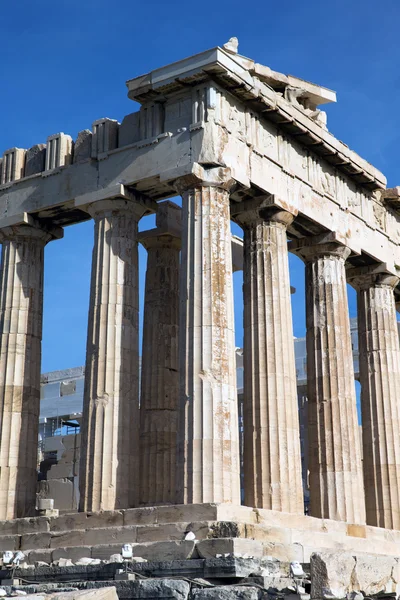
[[158, 533]]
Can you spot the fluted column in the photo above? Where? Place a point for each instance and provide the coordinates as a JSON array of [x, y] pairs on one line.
[[21, 316], [159, 393], [272, 462], [336, 483], [379, 360], [208, 438], [109, 445]]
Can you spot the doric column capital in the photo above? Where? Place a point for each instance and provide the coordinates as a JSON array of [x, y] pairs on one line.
[[260, 210], [26, 227], [113, 206], [95, 203], [362, 278], [154, 239], [168, 230], [321, 246], [219, 177]]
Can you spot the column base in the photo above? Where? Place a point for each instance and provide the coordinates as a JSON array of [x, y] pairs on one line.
[[159, 533]]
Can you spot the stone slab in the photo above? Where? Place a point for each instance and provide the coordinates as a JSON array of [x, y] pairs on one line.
[[25, 525], [71, 521], [160, 589], [10, 542], [167, 550], [34, 540], [105, 593], [338, 574], [227, 593], [212, 547]]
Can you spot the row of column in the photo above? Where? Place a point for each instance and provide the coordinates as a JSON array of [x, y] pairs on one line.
[[182, 445]]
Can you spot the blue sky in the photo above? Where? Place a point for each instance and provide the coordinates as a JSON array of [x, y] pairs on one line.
[[65, 63]]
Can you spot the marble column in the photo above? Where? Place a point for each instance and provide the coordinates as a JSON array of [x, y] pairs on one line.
[[21, 315], [159, 392], [272, 462], [379, 360], [336, 483], [110, 424], [208, 436]]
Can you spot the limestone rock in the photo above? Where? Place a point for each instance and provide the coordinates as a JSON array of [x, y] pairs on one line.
[[231, 592], [163, 588], [116, 558], [331, 574], [138, 559], [376, 574], [105, 593], [74, 553], [85, 560]]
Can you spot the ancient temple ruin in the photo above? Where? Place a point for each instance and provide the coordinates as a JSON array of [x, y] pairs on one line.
[[237, 141]]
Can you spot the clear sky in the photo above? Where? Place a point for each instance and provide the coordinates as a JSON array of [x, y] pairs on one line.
[[64, 64]]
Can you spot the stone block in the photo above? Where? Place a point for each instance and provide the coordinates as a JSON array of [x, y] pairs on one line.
[[64, 492], [62, 470], [83, 146], [331, 574], [24, 525], [169, 216], [35, 160], [72, 521], [171, 531], [151, 119], [240, 514], [232, 566], [187, 513], [113, 535], [45, 504], [376, 575], [105, 136], [161, 588], [68, 538], [34, 556], [210, 548], [13, 165], [9, 542], [141, 516], [103, 593], [34, 541], [58, 151], [357, 531], [227, 592], [72, 552], [50, 512], [129, 130], [287, 553]]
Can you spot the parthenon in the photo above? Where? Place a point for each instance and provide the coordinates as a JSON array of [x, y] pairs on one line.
[[237, 142]]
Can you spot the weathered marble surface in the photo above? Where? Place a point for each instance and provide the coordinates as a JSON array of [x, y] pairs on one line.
[[21, 314], [272, 465], [336, 484], [208, 431], [159, 397], [109, 434], [379, 360]]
